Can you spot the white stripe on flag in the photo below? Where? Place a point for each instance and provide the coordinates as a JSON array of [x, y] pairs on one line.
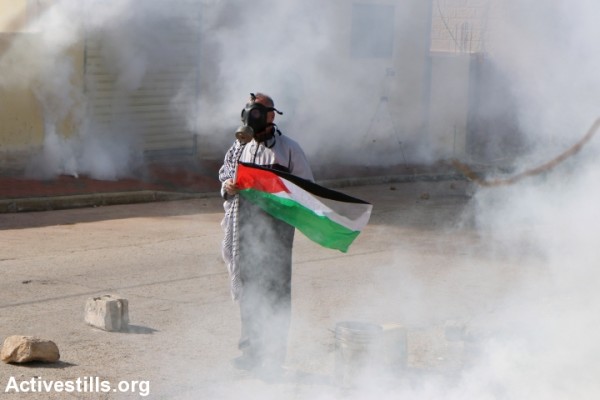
[[355, 219]]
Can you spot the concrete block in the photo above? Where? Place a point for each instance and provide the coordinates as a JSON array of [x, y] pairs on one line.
[[108, 312]]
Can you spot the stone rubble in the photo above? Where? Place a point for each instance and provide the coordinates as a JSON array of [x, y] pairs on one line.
[[23, 349]]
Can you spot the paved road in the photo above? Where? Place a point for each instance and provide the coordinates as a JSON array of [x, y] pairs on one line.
[[419, 264]]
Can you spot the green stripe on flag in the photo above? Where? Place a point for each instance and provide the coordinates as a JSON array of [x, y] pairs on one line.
[[316, 227]]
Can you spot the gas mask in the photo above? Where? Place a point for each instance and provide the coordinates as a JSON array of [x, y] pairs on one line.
[[254, 119]]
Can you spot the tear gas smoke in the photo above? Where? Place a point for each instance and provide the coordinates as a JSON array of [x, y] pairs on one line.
[[134, 42], [541, 339], [297, 52]]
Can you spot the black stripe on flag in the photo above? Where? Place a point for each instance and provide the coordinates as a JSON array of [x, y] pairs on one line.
[[309, 186]]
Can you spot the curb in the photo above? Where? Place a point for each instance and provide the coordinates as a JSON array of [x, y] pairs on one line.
[[92, 200], [50, 203], [378, 180]]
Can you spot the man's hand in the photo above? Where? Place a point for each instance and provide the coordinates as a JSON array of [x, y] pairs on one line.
[[230, 187]]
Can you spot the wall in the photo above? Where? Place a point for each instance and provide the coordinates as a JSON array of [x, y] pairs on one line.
[[376, 103], [457, 42], [21, 124], [26, 106], [449, 105], [347, 104]]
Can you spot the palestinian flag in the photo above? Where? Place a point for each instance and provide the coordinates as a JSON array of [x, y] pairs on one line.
[[329, 218]]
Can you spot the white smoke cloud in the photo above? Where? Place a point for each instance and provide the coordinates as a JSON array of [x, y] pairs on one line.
[[544, 344], [547, 53], [541, 339], [537, 338], [135, 41], [298, 52]]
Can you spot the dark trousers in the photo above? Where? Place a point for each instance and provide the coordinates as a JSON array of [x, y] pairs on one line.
[[265, 260]]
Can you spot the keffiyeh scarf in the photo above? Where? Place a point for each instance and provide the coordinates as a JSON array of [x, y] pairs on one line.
[[229, 246]]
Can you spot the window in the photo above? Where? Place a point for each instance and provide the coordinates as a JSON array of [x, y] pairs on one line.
[[372, 32]]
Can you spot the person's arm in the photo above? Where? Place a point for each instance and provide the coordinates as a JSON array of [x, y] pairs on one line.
[[227, 171], [299, 164]]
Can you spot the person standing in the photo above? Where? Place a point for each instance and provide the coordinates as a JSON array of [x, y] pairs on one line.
[[257, 247]]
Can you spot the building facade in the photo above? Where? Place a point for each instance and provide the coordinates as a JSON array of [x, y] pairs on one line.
[[152, 85]]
